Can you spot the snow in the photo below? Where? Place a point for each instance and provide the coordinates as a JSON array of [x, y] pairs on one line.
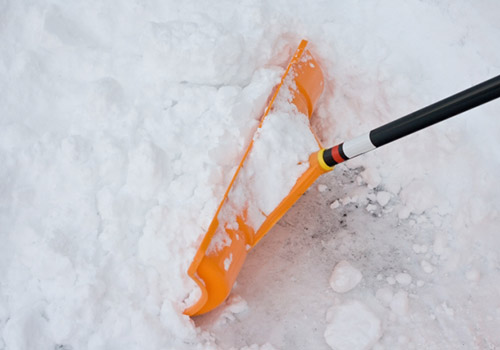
[[427, 266], [344, 277], [399, 303], [234, 305], [267, 177], [383, 198], [473, 275], [228, 261], [266, 346], [352, 326], [275, 173], [335, 204], [403, 278], [384, 295], [322, 188], [121, 125]]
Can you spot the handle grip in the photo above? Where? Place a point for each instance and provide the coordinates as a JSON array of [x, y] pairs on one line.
[[421, 119]]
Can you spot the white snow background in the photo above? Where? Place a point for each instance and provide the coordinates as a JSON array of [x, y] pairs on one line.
[[121, 124]]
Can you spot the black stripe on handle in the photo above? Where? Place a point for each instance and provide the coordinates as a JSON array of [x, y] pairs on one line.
[[439, 111]]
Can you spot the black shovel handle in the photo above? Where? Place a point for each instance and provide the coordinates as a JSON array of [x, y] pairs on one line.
[[427, 116]]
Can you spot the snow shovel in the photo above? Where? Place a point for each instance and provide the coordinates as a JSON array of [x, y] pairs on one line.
[[219, 260]]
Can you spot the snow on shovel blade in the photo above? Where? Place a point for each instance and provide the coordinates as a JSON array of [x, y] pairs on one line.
[[274, 172]]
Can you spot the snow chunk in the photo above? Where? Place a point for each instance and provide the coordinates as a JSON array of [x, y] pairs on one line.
[[426, 266], [335, 205], [228, 261], [403, 278], [371, 208], [391, 280], [345, 277], [322, 188], [352, 326], [383, 198]]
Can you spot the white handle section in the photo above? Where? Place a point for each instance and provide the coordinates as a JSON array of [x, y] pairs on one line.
[[358, 145]]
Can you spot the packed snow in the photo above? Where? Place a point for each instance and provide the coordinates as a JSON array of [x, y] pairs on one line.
[[121, 125]]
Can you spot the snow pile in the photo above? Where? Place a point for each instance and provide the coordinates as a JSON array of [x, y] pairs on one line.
[[279, 156], [113, 163]]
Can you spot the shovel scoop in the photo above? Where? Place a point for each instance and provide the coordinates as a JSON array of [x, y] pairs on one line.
[[239, 222], [246, 214]]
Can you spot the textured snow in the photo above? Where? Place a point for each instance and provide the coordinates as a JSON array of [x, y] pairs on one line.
[[121, 125]]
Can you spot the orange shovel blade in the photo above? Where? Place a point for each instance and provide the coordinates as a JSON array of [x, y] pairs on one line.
[[217, 263]]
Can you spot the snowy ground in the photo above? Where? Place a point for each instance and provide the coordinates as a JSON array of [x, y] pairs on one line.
[[120, 125]]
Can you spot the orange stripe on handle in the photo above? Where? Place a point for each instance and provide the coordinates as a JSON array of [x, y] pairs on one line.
[[336, 155]]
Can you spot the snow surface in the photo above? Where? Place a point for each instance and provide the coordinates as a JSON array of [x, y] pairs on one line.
[[121, 125]]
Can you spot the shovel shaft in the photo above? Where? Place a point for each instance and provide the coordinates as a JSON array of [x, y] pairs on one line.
[[421, 119]]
